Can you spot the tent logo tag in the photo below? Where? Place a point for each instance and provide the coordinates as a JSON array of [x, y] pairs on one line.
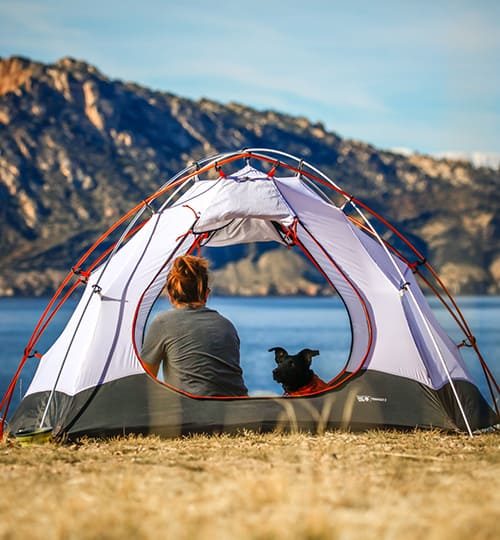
[[369, 399]]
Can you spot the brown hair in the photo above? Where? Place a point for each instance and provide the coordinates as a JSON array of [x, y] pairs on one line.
[[187, 281]]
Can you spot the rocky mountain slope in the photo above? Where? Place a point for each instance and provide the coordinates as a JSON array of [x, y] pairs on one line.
[[78, 149]]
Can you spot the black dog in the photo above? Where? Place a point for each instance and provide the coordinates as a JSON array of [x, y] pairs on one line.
[[294, 372]]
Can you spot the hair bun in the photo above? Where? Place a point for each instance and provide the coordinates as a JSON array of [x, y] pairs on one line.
[[187, 282]]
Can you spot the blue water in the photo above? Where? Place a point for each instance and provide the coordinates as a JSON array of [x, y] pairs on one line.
[[293, 323]]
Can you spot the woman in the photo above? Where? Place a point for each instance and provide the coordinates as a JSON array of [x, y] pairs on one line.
[[199, 348]]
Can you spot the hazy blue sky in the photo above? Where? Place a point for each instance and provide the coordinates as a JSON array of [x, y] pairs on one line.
[[423, 75]]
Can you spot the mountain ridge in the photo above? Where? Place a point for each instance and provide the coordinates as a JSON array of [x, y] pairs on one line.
[[78, 149]]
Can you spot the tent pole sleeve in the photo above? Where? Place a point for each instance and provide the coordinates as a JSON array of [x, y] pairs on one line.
[[422, 316], [52, 391], [96, 288]]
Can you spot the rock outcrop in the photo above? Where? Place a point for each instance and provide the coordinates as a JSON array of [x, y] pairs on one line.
[[276, 272], [78, 149]]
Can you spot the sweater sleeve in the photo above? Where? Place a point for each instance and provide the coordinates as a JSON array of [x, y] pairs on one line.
[[153, 348]]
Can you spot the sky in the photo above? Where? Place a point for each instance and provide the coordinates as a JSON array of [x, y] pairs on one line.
[[421, 75]]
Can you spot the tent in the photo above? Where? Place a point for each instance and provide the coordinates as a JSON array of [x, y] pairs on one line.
[[403, 369]]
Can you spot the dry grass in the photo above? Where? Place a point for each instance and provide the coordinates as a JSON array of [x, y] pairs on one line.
[[338, 485]]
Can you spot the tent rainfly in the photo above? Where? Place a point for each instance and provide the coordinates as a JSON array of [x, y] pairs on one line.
[[403, 369]]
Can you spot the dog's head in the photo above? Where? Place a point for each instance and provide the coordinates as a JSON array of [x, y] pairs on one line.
[[293, 371]]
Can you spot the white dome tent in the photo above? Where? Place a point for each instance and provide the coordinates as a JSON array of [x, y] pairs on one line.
[[403, 370]]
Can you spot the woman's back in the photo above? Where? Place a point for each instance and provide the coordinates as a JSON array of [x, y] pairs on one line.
[[199, 349]]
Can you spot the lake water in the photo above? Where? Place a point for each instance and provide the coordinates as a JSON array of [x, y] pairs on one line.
[[293, 323]]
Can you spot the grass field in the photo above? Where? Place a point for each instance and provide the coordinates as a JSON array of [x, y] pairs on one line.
[[338, 485]]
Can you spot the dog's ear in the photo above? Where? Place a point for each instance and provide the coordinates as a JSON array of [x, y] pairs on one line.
[[307, 355], [279, 354]]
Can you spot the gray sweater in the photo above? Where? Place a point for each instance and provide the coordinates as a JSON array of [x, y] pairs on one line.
[[200, 351]]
